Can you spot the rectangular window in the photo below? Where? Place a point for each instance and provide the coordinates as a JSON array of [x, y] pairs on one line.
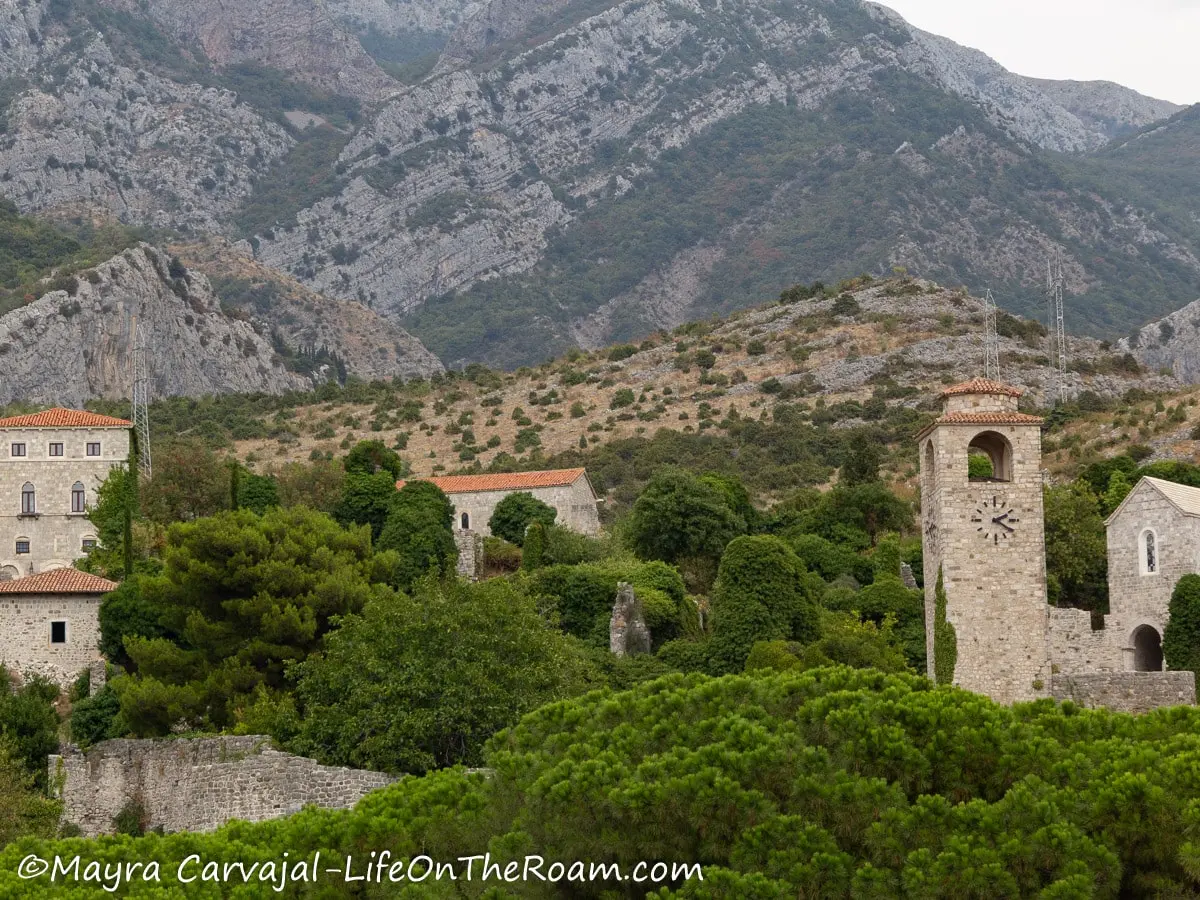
[[93, 448], [58, 632], [56, 449], [89, 544], [22, 547], [18, 449]]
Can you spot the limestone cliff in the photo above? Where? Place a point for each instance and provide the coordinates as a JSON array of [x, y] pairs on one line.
[[70, 346], [1171, 343]]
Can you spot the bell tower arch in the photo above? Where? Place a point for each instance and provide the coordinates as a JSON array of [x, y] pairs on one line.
[[985, 535]]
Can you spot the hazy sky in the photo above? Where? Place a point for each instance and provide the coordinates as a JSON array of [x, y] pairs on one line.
[[1152, 46]]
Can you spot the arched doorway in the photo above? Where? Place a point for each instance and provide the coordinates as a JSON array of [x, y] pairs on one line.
[[1147, 649]]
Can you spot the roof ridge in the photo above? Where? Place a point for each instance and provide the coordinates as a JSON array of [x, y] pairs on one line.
[[66, 580], [62, 417]]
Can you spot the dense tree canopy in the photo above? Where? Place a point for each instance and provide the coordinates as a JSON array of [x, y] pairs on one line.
[[680, 516], [831, 783], [419, 530], [239, 598], [412, 684], [1076, 548], [1181, 638]]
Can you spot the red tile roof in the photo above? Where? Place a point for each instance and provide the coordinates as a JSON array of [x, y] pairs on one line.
[[63, 418], [513, 481], [982, 418], [58, 581], [982, 386]]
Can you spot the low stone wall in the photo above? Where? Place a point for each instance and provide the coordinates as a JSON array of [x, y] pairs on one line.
[[1074, 647], [1134, 692], [199, 784], [470, 553]]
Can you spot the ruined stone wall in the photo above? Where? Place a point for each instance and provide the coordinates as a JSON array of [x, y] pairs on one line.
[[995, 591], [1137, 597], [1075, 648], [1134, 692], [199, 784], [470, 553]]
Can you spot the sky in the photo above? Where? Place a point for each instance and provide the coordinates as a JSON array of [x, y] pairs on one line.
[[1152, 46]]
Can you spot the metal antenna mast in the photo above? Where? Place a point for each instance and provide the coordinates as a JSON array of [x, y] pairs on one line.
[[1054, 292], [141, 400], [991, 338]]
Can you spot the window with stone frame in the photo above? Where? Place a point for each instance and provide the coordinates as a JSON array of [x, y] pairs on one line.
[[58, 632], [28, 499], [78, 498], [56, 448], [1149, 552], [18, 450], [22, 546], [93, 448], [89, 544]]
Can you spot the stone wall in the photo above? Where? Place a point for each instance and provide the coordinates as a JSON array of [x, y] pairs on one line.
[[25, 634], [199, 784], [55, 533], [1075, 648], [575, 504], [1134, 692], [470, 553]]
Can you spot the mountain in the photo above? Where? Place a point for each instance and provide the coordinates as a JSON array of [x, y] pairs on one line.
[[507, 178]]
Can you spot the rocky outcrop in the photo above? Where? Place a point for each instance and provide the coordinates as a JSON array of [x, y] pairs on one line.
[[73, 345], [1172, 342], [294, 36], [1104, 107], [412, 17]]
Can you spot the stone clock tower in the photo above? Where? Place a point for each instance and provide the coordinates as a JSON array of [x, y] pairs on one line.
[[987, 537]]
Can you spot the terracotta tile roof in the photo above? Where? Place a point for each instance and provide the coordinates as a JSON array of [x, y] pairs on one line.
[[58, 581], [982, 386], [63, 418], [513, 481]]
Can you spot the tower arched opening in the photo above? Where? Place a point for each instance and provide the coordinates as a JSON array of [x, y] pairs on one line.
[[998, 452]]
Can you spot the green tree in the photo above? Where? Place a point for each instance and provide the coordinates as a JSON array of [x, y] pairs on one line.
[[856, 516], [761, 594], [887, 599], [679, 516], [127, 613], [1115, 493], [189, 482], [419, 530], [95, 718], [29, 722], [241, 596], [516, 512], [257, 493], [367, 499], [412, 684], [25, 811], [945, 640], [862, 463], [372, 457], [317, 485], [1181, 638], [534, 552], [112, 515], [1077, 546]]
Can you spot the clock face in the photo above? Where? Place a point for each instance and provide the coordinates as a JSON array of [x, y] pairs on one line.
[[994, 519]]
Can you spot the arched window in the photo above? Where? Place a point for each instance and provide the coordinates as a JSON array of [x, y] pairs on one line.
[[78, 497], [28, 499], [1147, 649], [1148, 552], [998, 450], [466, 522]]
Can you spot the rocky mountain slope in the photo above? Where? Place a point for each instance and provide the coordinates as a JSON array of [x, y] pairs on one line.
[[1172, 343], [859, 353], [73, 345], [584, 170]]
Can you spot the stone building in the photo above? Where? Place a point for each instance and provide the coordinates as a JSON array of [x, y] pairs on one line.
[[51, 464], [49, 623], [986, 536], [475, 497]]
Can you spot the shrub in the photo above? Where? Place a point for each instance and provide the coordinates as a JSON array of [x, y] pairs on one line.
[[515, 513]]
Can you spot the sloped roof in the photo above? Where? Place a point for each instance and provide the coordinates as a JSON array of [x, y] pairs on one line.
[[58, 581], [982, 418], [1183, 498], [64, 418], [508, 481], [983, 386]]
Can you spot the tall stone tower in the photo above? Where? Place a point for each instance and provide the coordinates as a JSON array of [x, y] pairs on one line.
[[986, 535]]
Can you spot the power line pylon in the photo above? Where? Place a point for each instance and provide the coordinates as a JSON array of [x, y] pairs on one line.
[[141, 400], [1058, 334], [991, 338]]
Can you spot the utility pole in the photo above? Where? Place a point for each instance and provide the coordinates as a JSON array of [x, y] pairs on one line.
[[991, 338], [1058, 331]]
